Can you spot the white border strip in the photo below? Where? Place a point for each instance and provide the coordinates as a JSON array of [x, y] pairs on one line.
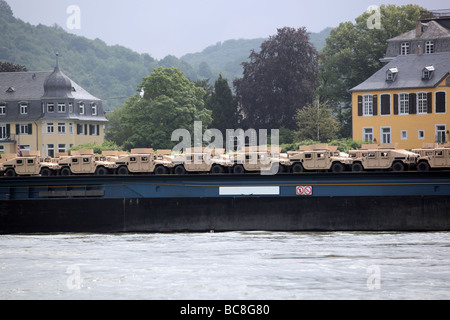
[[248, 191]]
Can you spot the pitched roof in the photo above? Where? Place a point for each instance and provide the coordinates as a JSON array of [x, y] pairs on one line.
[[410, 68], [30, 86], [431, 30]]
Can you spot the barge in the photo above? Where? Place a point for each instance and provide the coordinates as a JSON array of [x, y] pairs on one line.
[[379, 201]]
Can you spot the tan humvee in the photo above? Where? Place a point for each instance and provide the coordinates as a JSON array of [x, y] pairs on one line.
[[143, 161], [259, 159], [433, 156], [316, 158], [382, 157], [29, 164], [85, 162], [203, 160], [113, 155]]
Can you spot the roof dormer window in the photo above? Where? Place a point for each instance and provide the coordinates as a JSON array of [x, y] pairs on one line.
[[391, 74], [427, 72], [11, 90]]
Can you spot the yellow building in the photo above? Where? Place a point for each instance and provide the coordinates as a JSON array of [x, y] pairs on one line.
[[47, 111], [406, 102]]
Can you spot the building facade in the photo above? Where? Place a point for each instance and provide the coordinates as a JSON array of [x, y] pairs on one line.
[[48, 112], [406, 102]]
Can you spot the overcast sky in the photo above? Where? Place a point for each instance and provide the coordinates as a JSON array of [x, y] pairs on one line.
[[177, 27]]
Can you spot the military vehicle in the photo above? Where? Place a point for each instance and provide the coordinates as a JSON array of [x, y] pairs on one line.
[[203, 160], [143, 161], [317, 158], [433, 156], [382, 157], [85, 162], [259, 159], [29, 164]]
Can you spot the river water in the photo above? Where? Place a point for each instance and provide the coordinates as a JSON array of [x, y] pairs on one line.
[[226, 266]]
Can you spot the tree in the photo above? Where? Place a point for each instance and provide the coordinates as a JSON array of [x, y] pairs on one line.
[[224, 106], [278, 80], [353, 51], [10, 67], [170, 101], [316, 122]]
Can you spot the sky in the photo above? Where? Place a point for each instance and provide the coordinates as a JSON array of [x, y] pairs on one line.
[[178, 27]]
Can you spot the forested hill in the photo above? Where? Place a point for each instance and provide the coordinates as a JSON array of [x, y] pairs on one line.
[[227, 57], [112, 73]]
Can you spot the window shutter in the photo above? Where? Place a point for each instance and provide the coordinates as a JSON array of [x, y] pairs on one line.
[[360, 106], [430, 102], [91, 130], [85, 129], [395, 103], [17, 129], [440, 102], [412, 103], [98, 130], [375, 105], [30, 128], [385, 104], [8, 130], [78, 129]]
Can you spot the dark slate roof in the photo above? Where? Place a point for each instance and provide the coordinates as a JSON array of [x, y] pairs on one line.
[[410, 68], [431, 31], [30, 86]]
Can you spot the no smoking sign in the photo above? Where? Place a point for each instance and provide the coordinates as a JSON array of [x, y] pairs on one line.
[[304, 191]]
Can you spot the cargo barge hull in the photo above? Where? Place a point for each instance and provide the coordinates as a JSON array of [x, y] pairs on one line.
[[204, 203]]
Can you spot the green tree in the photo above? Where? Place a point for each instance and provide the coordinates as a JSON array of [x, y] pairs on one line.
[[316, 122], [224, 106], [10, 67], [278, 80], [170, 101]]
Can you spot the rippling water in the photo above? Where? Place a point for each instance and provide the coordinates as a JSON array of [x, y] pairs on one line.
[[222, 266]]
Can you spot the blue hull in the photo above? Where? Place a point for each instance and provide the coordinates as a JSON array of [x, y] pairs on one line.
[[199, 203]]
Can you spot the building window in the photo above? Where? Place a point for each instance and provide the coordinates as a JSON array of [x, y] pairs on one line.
[[61, 107], [81, 108], [23, 108], [2, 109], [421, 134], [62, 148], [70, 128], [50, 107], [368, 134], [3, 132], [94, 109], [404, 103], [24, 129], [50, 128], [441, 133], [441, 102], [51, 150], [368, 105], [94, 130], [61, 128], [70, 107], [404, 49], [422, 103], [385, 135], [429, 47], [404, 135]]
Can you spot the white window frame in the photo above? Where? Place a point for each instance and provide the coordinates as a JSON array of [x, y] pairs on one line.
[[23, 129], [436, 131], [367, 105], [61, 108], [82, 110], [94, 109], [404, 134], [70, 128], [366, 134], [2, 109], [52, 105], [62, 147], [419, 134], [3, 133], [23, 108], [61, 128], [429, 47], [403, 104], [383, 134], [422, 103], [50, 128], [404, 48]]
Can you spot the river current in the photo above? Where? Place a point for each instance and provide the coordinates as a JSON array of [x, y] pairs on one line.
[[226, 266]]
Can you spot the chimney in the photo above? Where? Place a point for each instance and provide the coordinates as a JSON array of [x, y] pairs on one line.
[[418, 29]]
